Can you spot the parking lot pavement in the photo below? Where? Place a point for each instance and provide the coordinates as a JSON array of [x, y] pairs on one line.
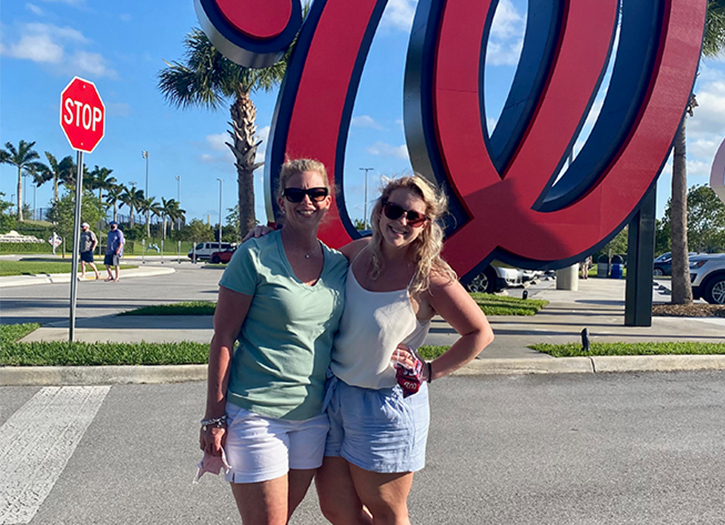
[[529, 450]]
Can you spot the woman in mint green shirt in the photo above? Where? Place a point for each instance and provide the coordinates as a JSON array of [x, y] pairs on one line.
[[281, 297]]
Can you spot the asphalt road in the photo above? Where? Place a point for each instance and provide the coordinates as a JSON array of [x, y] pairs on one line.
[[49, 304], [555, 449]]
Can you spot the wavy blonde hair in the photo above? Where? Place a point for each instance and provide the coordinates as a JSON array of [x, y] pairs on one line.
[[427, 246]]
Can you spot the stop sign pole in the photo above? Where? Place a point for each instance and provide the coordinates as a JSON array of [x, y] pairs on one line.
[[83, 119]]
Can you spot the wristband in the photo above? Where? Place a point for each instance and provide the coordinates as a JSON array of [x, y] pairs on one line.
[[430, 371], [217, 422]]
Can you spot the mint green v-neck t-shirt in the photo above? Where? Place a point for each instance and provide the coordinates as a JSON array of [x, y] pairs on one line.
[[280, 365]]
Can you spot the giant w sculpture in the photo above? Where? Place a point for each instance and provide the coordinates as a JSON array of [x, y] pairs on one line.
[[506, 199]]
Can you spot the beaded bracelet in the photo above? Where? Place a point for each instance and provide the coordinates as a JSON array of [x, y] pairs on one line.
[[217, 422]]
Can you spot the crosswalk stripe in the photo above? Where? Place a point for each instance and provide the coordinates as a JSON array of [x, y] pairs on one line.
[[36, 443]]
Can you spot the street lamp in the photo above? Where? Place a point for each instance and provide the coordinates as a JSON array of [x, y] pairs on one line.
[[220, 212], [178, 199], [365, 213], [145, 155]]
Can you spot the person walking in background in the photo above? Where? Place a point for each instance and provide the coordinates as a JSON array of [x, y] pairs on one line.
[[114, 251], [584, 267], [89, 241]]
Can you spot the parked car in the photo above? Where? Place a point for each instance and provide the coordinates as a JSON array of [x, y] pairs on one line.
[[495, 278], [223, 256], [663, 264], [707, 275], [205, 249]]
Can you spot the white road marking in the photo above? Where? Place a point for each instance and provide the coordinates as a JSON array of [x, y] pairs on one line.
[[36, 443]]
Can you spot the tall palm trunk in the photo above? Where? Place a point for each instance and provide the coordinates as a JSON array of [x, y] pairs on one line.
[[20, 193], [55, 188], [244, 129], [681, 288]]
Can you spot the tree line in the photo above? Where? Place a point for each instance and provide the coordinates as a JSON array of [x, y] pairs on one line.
[[111, 195]]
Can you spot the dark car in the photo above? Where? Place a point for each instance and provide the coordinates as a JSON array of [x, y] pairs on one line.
[[223, 256], [663, 264]]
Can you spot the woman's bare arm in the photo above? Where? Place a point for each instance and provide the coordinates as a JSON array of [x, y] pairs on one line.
[[231, 310], [451, 301]]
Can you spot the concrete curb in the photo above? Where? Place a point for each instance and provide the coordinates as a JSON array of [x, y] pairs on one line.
[[55, 278], [657, 363], [99, 375], [122, 375], [495, 366]]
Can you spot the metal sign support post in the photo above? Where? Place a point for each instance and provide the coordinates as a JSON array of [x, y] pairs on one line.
[[76, 246]]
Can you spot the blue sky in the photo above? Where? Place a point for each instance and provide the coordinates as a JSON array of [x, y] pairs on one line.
[[121, 46]]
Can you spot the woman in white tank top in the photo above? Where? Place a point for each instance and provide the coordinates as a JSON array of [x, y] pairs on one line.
[[396, 283]]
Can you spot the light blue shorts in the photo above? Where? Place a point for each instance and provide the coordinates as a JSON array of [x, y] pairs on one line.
[[377, 430]]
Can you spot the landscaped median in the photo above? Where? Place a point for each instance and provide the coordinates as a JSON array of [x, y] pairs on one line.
[[489, 304]]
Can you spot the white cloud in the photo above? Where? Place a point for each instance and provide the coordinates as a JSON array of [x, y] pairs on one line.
[[507, 36], [507, 22], [386, 150], [63, 33], [38, 48], [34, 9], [263, 135], [217, 142], [92, 63], [48, 43], [399, 14], [365, 121]]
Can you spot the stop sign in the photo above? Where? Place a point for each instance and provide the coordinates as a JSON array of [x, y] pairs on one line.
[[82, 114]]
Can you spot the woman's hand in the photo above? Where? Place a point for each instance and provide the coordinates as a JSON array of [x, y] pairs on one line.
[[212, 439], [259, 230], [407, 357]]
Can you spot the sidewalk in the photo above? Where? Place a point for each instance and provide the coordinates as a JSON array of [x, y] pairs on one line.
[[8, 281], [598, 305]]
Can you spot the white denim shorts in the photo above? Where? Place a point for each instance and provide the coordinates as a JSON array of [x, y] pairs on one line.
[[261, 448]]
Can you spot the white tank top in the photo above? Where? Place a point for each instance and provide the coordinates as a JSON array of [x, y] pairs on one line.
[[371, 327]]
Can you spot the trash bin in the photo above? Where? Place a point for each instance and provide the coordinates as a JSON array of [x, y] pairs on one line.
[[617, 265], [603, 266]]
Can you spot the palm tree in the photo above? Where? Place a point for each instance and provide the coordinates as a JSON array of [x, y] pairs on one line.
[[58, 172], [206, 78], [132, 198], [713, 44], [100, 179], [23, 157], [113, 195], [176, 214], [149, 206]]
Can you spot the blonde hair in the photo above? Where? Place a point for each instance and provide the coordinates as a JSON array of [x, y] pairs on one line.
[[427, 246], [292, 167]]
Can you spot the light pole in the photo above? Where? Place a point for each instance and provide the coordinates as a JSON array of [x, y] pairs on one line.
[[178, 199], [365, 213], [220, 212], [145, 155]]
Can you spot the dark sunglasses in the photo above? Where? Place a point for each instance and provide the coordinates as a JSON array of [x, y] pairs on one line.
[[394, 212], [298, 194]]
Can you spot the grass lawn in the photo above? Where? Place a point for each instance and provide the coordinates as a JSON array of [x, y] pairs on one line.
[[501, 305], [62, 353], [598, 349], [490, 304], [188, 308], [40, 265]]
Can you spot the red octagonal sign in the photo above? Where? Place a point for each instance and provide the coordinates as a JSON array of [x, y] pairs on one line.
[[82, 115]]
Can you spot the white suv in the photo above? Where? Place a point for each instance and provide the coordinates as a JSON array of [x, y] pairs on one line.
[[495, 278], [707, 275]]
